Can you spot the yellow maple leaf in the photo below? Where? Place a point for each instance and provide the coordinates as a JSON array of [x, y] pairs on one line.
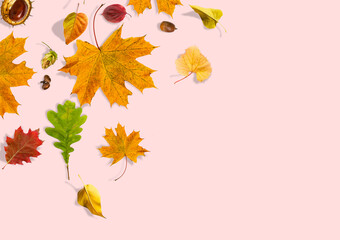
[[121, 145], [192, 61], [167, 6], [12, 75], [109, 67]]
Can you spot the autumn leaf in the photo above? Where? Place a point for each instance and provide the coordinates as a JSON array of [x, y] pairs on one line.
[[115, 13], [12, 75], [209, 16], [89, 197], [167, 6], [23, 146], [66, 122], [74, 25], [109, 67], [121, 145], [192, 61]]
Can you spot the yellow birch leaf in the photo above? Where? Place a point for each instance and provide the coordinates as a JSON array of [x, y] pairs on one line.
[[89, 197], [74, 25], [192, 61], [209, 16], [12, 75]]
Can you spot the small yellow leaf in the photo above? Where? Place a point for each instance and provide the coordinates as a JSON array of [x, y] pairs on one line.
[[209, 16], [192, 61], [89, 197], [74, 25]]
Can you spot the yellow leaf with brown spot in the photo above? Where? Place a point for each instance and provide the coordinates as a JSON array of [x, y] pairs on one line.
[[192, 61], [167, 6], [12, 75], [109, 67], [121, 145]]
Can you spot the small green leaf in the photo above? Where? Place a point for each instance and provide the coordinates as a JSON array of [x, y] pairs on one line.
[[209, 16], [66, 122]]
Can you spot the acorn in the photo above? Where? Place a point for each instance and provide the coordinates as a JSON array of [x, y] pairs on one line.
[[167, 26], [16, 12]]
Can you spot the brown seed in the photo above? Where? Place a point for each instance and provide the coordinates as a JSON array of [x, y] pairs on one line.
[[45, 85], [47, 79], [167, 26]]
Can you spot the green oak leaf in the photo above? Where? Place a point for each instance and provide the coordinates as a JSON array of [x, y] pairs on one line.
[[66, 122]]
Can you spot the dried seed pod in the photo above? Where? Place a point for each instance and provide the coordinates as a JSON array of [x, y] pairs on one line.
[[45, 85], [167, 26], [46, 82], [15, 12], [114, 13], [49, 58]]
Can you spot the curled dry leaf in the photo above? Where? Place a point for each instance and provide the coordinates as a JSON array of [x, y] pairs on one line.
[[89, 197], [167, 6], [121, 146], [209, 16], [23, 146], [12, 75], [74, 25], [192, 61], [109, 67], [49, 58]]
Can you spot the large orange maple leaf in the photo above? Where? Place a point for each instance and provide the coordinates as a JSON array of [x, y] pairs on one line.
[[109, 67], [12, 75], [167, 6]]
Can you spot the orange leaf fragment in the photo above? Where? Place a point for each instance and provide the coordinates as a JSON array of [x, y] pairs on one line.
[[12, 75]]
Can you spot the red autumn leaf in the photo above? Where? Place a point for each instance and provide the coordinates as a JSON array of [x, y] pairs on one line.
[[114, 13], [23, 146]]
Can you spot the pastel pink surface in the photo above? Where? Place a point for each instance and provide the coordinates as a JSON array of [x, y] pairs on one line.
[[251, 153]]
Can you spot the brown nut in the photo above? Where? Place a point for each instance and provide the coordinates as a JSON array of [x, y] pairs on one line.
[[167, 26]]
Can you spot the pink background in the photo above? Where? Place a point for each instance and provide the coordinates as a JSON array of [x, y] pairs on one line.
[[252, 153]]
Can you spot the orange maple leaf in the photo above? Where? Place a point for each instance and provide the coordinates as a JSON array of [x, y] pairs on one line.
[[167, 6], [121, 145], [109, 67], [12, 75]]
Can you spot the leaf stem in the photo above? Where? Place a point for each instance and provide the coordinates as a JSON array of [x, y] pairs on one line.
[[68, 172], [94, 31], [183, 78], [81, 180], [77, 8], [47, 46], [223, 27], [126, 163], [5, 166], [129, 14]]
